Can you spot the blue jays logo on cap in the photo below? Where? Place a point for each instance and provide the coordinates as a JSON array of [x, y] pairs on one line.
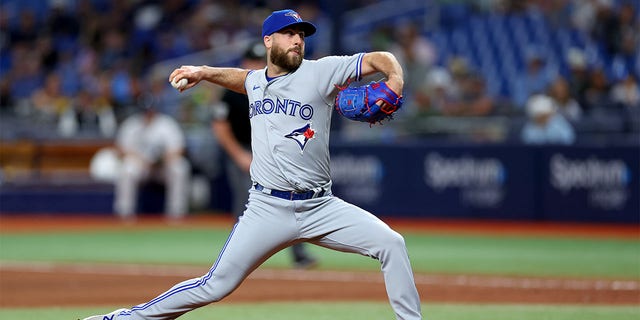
[[281, 19], [294, 14]]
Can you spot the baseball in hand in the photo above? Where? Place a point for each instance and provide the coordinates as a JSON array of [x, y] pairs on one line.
[[179, 84]]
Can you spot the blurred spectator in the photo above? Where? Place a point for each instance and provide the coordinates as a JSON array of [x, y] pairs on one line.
[[415, 53], [537, 77], [6, 97], [606, 25], [627, 40], [113, 49], [50, 104], [26, 74], [459, 69], [583, 14], [200, 25], [320, 44], [545, 125], [125, 86], [381, 37], [436, 96], [457, 91], [469, 88], [5, 42], [152, 147], [102, 96], [94, 116], [578, 74], [62, 23], [167, 99], [596, 95], [26, 31], [626, 92], [566, 105]]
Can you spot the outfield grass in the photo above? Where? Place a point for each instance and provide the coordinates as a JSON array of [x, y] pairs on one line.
[[469, 254], [358, 310], [474, 254]]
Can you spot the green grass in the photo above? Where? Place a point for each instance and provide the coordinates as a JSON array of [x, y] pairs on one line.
[[359, 310], [475, 254]]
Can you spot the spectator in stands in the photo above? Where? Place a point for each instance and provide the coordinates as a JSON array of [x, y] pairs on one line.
[[457, 91], [320, 44], [61, 22], [566, 105], [436, 96], [597, 93], [578, 74], [469, 88], [583, 14], [626, 95], [538, 76], [415, 53], [26, 73], [6, 97], [103, 97], [626, 92], [26, 31], [51, 105], [167, 101], [605, 25], [151, 146], [627, 38], [545, 125], [94, 118]]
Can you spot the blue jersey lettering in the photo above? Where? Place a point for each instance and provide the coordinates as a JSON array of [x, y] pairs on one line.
[[285, 106]]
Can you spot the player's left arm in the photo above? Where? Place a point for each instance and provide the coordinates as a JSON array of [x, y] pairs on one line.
[[387, 64], [230, 78]]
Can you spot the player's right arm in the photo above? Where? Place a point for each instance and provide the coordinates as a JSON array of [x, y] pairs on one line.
[[230, 78]]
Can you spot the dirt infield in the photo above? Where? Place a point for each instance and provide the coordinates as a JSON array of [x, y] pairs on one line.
[[41, 284]]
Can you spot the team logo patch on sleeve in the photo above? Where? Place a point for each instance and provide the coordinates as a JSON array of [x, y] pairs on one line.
[[302, 135]]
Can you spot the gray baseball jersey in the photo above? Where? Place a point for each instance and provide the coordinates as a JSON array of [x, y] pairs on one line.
[[291, 200], [290, 122]]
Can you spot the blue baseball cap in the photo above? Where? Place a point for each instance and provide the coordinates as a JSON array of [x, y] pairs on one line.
[[281, 19]]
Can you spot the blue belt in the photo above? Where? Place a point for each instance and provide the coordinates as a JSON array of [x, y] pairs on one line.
[[291, 195]]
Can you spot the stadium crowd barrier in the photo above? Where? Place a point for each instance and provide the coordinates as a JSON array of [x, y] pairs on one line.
[[419, 180]]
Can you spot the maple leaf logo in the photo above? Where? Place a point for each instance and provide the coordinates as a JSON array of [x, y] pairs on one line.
[[309, 133]]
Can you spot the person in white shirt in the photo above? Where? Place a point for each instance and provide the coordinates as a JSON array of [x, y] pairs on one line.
[[545, 124], [151, 145]]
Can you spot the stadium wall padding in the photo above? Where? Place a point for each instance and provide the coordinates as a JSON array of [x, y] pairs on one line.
[[419, 180]]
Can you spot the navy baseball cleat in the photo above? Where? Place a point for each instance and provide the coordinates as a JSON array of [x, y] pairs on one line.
[[306, 263], [110, 316]]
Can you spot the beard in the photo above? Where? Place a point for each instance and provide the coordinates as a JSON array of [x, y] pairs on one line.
[[279, 58]]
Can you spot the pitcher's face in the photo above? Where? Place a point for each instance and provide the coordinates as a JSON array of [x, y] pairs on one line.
[[287, 48]]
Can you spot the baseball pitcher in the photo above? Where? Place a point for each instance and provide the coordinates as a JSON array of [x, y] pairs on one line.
[[290, 107]]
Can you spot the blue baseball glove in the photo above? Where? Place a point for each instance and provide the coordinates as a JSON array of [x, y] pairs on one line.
[[371, 103]]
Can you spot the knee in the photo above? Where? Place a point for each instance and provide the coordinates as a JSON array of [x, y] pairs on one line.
[[178, 168], [217, 289], [394, 240], [391, 244], [131, 169]]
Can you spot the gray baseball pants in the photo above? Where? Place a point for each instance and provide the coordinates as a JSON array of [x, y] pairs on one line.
[[271, 224]]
